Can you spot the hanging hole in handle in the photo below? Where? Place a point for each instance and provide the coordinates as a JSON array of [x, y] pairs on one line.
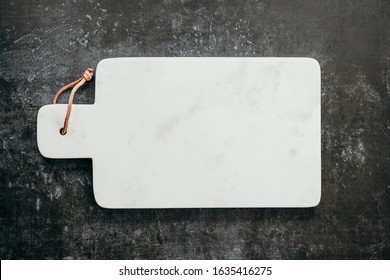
[[62, 131]]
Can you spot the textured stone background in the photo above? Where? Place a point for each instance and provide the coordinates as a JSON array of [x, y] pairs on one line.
[[47, 207]]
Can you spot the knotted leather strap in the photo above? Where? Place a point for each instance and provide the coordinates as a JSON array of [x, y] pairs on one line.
[[87, 76]]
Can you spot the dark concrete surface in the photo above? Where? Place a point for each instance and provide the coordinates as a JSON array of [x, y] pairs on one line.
[[47, 206]]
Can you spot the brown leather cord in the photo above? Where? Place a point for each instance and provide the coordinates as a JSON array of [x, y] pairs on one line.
[[87, 76]]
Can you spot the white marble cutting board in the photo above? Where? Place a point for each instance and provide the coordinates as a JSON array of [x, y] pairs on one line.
[[196, 132]]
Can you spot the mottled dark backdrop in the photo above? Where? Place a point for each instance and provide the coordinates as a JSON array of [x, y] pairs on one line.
[[47, 206]]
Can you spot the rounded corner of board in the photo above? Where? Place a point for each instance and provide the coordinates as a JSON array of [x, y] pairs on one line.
[[101, 202], [316, 201], [315, 63], [102, 62]]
